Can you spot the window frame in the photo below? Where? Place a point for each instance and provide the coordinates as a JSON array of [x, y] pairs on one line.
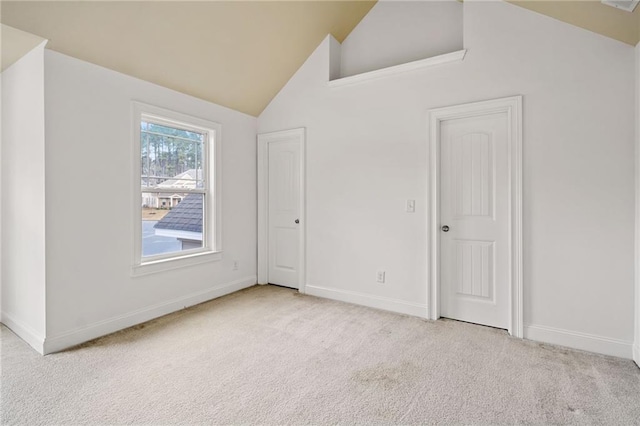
[[211, 224]]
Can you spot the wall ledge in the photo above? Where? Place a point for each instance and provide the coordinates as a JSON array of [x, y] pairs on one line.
[[101, 328], [457, 56], [577, 340]]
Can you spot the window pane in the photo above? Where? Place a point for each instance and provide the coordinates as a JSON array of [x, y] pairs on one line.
[[199, 164], [171, 157], [171, 222], [171, 131]]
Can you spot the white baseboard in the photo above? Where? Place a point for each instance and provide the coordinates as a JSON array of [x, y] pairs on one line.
[[378, 302], [582, 341], [111, 325], [636, 353], [23, 331]]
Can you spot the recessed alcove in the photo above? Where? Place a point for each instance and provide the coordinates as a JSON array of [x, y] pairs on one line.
[[399, 36]]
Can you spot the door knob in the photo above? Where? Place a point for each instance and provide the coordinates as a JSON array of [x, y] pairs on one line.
[[297, 220], [445, 228]]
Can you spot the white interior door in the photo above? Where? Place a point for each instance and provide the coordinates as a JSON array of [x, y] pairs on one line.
[[284, 228], [474, 217]]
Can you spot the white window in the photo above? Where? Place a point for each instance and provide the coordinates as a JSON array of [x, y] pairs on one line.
[[177, 189]]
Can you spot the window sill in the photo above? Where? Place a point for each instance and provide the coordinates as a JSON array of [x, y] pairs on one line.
[[162, 265]]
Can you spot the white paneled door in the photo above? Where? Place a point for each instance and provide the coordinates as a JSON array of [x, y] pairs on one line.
[[474, 218], [284, 227]]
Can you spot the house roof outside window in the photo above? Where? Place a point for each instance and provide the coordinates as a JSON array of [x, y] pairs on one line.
[[184, 220]]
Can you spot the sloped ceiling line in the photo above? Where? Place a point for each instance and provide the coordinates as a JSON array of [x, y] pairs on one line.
[[238, 54]]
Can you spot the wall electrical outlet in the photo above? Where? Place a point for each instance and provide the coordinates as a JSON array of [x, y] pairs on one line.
[[411, 206], [380, 276], [235, 265]]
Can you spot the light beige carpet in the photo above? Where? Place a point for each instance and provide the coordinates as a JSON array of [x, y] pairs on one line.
[[268, 355]]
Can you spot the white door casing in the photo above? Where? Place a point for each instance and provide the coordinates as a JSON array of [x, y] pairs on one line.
[[281, 202], [474, 246], [472, 240]]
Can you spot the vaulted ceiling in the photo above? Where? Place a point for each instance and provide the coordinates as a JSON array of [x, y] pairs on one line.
[[234, 53], [591, 15], [15, 44]]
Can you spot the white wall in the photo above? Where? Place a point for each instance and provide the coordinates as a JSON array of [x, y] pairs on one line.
[[396, 31], [367, 154], [0, 184], [636, 349], [90, 290], [23, 197]]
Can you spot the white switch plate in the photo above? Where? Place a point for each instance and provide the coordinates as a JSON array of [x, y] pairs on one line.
[[380, 276], [411, 206]]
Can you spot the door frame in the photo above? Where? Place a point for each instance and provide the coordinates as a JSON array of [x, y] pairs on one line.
[[263, 141], [512, 106]]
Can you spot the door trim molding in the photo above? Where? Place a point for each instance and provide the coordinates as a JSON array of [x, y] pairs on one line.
[[263, 141], [512, 106]]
